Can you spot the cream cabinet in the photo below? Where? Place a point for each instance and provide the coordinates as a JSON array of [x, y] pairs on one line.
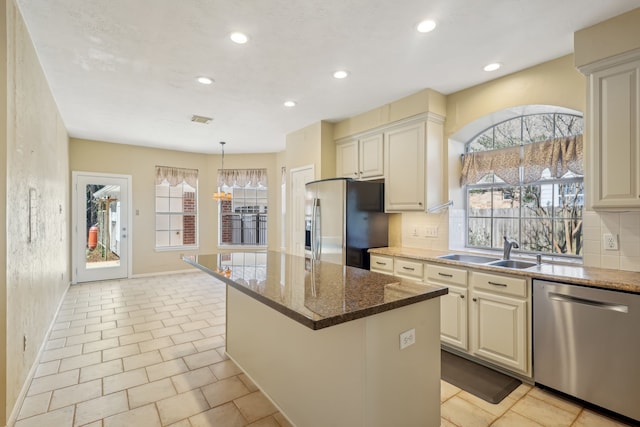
[[613, 131], [413, 165], [381, 264], [453, 306], [499, 320], [408, 269], [361, 158]]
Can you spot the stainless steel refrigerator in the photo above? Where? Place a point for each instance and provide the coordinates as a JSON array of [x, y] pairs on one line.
[[343, 219]]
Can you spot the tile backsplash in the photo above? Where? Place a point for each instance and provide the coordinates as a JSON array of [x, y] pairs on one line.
[[450, 236]]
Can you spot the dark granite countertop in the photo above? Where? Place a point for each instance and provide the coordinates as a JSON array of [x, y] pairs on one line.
[[618, 280], [315, 294]]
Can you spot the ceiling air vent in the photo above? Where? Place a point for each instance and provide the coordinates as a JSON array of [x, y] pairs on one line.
[[201, 119]]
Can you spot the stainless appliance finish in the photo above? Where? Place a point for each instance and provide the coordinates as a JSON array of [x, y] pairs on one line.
[[586, 343], [343, 219]]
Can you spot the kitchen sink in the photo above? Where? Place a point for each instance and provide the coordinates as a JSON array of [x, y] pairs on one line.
[[512, 263], [475, 259]]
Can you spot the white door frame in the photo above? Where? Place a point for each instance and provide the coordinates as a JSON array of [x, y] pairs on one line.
[[297, 213], [78, 252]]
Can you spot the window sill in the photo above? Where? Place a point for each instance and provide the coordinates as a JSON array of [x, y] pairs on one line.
[[176, 248]]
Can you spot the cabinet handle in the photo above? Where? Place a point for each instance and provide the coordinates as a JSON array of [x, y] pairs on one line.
[[497, 284], [381, 263], [355, 173], [409, 268], [445, 275]]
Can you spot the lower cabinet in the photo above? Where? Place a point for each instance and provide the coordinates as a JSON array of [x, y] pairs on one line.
[[453, 306]]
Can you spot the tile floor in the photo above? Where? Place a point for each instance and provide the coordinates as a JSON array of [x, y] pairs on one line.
[[151, 352]]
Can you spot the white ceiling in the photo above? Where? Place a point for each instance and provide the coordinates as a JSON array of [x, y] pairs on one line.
[[124, 70]]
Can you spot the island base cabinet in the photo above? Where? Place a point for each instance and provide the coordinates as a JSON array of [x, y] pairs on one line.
[[351, 374], [499, 324]]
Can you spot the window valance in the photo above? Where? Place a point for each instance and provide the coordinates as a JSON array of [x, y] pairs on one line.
[[242, 177], [559, 155], [175, 176]]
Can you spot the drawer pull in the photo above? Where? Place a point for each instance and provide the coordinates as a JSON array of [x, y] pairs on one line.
[[445, 275], [497, 284], [381, 263], [409, 268]]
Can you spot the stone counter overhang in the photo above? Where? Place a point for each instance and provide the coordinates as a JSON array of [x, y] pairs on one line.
[[314, 293], [617, 280]]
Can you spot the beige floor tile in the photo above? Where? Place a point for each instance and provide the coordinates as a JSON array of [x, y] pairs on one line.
[[100, 313], [35, 405], [213, 331], [168, 307], [166, 369], [53, 382], [495, 409], [102, 326], [555, 400], [66, 332], [543, 412], [60, 353], [80, 361], [85, 322], [183, 312], [181, 406], [142, 360], [158, 317], [120, 352], [225, 369], [55, 344], [151, 392], [165, 332], [47, 368], [100, 345], [446, 423], [131, 321], [177, 320], [255, 406], [447, 391], [97, 423], [117, 332], [124, 380], [284, 422], [135, 338], [147, 326], [155, 344], [101, 370], [193, 326], [59, 418], [84, 338], [146, 416], [226, 415], [248, 382], [209, 343], [187, 337], [265, 422], [193, 379], [76, 393], [463, 413], [101, 407], [202, 315], [224, 391], [177, 351], [513, 419], [589, 418], [61, 325]]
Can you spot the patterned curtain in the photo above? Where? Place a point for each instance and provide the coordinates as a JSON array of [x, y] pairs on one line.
[[242, 177], [175, 176]]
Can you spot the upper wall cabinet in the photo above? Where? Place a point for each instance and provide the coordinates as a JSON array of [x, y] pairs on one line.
[[613, 120], [361, 158], [413, 165]]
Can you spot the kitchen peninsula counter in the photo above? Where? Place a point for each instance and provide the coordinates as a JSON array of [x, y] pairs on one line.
[[322, 341]]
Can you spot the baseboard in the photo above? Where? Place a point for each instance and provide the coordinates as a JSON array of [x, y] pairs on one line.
[[27, 382]]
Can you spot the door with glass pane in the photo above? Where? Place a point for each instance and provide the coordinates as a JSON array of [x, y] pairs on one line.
[[101, 226]]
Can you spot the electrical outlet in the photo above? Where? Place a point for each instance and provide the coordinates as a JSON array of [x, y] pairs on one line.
[[431, 231], [415, 231], [407, 338], [610, 241]]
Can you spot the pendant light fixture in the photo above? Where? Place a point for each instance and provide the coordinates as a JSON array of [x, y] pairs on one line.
[[221, 195]]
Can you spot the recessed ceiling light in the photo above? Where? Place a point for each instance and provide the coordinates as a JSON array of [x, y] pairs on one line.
[[340, 74], [426, 26], [239, 38], [493, 66], [289, 103], [205, 80]]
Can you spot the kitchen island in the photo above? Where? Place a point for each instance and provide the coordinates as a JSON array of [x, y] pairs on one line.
[[322, 340]]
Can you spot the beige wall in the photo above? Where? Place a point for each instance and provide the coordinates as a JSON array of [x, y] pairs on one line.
[[312, 145], [37, 273], [609, 38], [3, 215], [140, 162]]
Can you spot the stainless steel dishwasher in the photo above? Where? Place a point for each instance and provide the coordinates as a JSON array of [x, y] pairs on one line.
[[586, 343]]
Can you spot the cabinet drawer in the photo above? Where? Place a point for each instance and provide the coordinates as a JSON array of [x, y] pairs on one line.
[[408, 268], [381, 263], [516, 286], [448, 275]]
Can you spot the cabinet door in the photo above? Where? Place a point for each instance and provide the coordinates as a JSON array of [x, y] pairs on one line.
[[347, 159], [405, 168], [498, 330], [371, 163], [453, 318], [615, 136]]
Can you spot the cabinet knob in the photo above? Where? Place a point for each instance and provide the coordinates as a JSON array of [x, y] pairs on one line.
[[475, 299], [462, 296]]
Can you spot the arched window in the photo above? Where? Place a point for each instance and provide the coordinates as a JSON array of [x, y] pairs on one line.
[[523, 179]]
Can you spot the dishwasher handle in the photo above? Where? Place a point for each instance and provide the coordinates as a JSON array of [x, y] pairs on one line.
[[600, 304]]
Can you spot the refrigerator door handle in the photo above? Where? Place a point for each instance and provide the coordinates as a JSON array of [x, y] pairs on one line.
[[314, 229]]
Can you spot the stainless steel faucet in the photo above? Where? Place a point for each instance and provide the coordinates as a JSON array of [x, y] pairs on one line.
[[508, 245]]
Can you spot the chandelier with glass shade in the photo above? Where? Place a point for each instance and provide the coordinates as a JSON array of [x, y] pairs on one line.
[[221, 195]]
